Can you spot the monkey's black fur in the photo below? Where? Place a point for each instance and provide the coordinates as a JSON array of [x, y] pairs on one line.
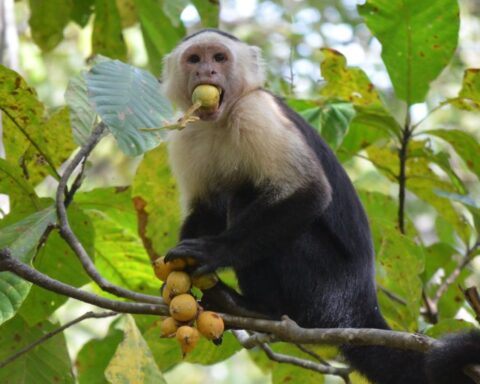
[[225, 34], [313, 262]]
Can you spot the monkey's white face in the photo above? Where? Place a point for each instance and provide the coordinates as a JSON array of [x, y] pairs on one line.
[[208, 64], [210, 58]]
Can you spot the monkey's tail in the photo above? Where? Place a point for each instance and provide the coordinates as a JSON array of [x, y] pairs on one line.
[[442, 365]]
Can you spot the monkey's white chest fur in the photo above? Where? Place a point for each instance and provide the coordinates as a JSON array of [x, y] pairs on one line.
[[257, 144]]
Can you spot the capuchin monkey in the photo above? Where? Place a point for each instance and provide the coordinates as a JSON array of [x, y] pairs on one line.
[[262, 193]]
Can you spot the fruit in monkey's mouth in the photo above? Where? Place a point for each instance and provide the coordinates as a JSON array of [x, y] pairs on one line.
[[207, 95]]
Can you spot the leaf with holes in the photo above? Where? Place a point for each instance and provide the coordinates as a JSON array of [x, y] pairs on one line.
[[129, 99]]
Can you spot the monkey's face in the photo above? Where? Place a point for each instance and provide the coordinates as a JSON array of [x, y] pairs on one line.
[[235, 68], [211, 64]]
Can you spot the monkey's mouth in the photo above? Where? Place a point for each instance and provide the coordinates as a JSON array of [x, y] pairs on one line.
[[213, 112]]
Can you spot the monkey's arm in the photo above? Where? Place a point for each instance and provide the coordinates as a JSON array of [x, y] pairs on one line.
[[255, 232]]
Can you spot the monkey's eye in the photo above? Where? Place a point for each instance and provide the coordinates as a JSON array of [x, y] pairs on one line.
[[219, 57], [193, 59]]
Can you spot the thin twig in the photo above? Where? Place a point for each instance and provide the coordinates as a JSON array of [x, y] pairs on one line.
[[29, 347], [392, 296], [9, 263], [77, 183], [311, 353], [466, 259], [306, 364], [402, 174], [249, 341], [70, 237], [473, 298]]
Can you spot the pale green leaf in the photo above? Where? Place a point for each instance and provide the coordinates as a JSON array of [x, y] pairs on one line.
[[129, 99], [82, 115], [133, 361]]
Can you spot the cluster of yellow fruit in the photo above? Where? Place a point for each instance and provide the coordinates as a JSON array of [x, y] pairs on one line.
[[184, 309]]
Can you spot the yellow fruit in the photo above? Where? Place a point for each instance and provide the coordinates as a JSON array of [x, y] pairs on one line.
[[161, 269], [169, 327], [188, 338], [167, 294], [183, 307], [210, 325], [205, 281], [179, 282], [207, 95]]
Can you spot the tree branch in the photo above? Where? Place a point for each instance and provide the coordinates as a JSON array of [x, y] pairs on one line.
[[29, 347], [249, 341], [9, 263], [70, 237], [287, 330]]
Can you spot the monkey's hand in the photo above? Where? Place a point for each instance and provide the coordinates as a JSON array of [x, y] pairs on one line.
[[209, 254]]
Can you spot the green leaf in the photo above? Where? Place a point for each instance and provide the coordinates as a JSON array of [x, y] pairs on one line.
[[418, 39], [369, 125], [38, 144], [167, 351], [399, 263], [464, 144], [371, 121], [469, 97], [47, 21], [209, 12], [93, 358], [156, 201], [82, 115], [114, 203], [129, 99], [57, 260], [107, 38], [448, 326], [14, 185], [57, 136], [173, 9], [421, 180], [158, 41], [119, 254], [21, 238], [81, 11], [331, 120], [133, 361], [348, 84], [47, 363]]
